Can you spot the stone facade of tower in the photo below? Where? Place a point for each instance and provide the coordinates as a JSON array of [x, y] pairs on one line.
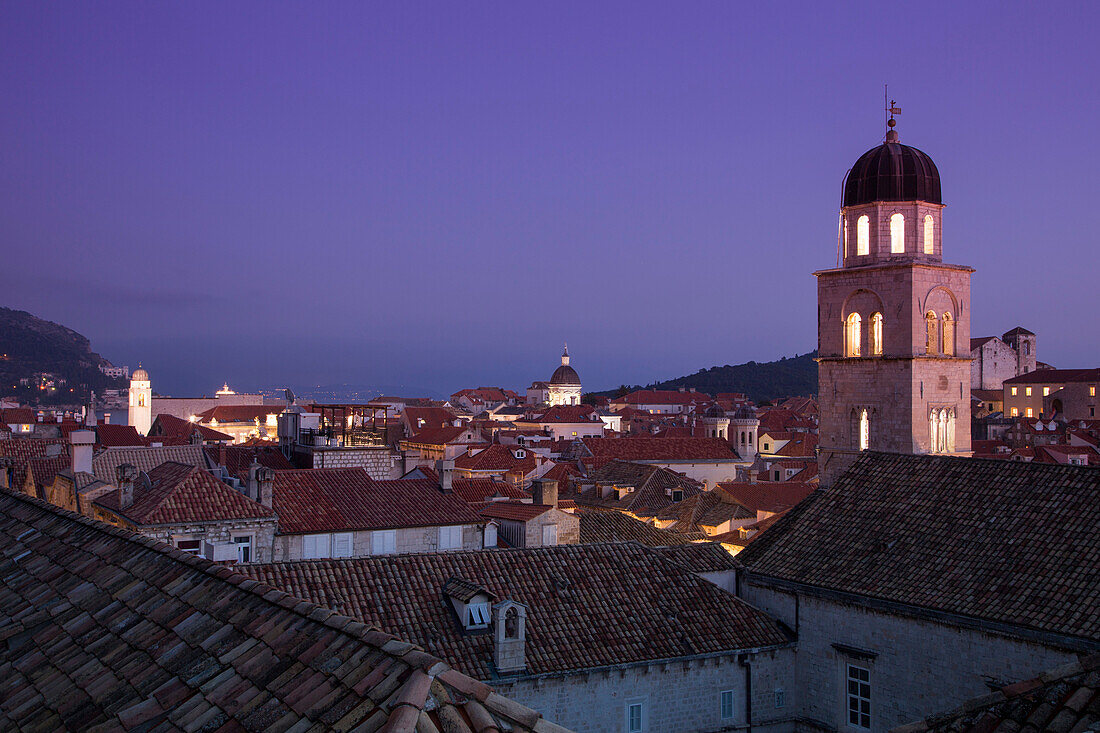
[[141, 401], [893, 323]]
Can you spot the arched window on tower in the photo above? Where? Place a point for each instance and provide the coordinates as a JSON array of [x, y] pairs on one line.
[[852, 335], [929, 235], [948, 334], [876, 334], [941, 430], [864, 430], [863, 235], [931, 345], [897, 234], [844, 223]]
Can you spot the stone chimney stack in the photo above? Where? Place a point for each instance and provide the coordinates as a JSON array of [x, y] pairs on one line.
[[265, 477], [125, 477], [545, 491], [82, 441], [447, 475]]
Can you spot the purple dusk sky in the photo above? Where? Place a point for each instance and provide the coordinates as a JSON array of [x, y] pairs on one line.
[[429, 196]]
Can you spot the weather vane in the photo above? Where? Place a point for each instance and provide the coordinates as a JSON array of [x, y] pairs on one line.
[[890, 106]]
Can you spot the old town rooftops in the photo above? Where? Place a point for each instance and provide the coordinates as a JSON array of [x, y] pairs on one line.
[[577, 596], [663, 450], [1056, 376], [1002, 541], [105, 629], [347, 499], [178, 493]]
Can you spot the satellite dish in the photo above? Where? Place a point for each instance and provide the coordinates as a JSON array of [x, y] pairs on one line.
[[289, 396]]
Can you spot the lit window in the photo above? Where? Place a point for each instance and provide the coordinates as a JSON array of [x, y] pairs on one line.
[[864, 430], [845, 221], [876, 334], [635, 717], [1092, 391], [859, 696], [948, 334], [383, 542], [1029, 413], [244, 548], [929, 238], [1014, 390], [897, 234], [727, 704], [1046, 391], [1027, 391], [852, 335], [863, 236], [450, 538], [1015, 412], [931, 341]]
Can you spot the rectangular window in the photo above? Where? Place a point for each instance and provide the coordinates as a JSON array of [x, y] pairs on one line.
[[1027, 391], [341, 544], [191, 547], [635, 717], [1046, 391], [383, 542], [450, 538], [727, 704], [780, 698], [1015, 412], [858, 694], [1092, 391], [244, 548], [316, 546], [1029, 412], [1014, 390], [549, 535]]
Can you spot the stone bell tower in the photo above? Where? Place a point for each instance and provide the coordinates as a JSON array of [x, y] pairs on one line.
[[141, 401], [893, 320]]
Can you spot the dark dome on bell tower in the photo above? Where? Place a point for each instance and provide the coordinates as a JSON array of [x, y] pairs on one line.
[[892, 172]]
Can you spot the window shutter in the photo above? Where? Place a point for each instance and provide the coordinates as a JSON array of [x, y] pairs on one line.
[[309, 546], [341, 544]]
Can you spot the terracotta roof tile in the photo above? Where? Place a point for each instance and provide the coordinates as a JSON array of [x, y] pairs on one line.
[[514, 510], [345, 499], [771, 496], [660, 449], [1005, 541], [176, 430], [577, 597], [179, 493], [81, 649], [613, 526], [146, 459]]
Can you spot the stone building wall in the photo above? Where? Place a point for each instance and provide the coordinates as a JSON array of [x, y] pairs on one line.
[[569, 528], [918, 667], [288, 547], [221, 535], [994, 362], [381, 463], [680, 696]]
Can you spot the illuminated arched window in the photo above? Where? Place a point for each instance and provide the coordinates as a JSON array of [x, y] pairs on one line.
[[931, 345], [897, 234], [948, 335], [929, 235], [933, 430], [863, 235], [864, 430], [852, 335], [876, 334], [141, 400], [844, 222]]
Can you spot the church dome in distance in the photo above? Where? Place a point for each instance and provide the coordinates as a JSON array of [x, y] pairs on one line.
[[892, 172], [744, 412], [139, 375], [714, 411], [565, 374]]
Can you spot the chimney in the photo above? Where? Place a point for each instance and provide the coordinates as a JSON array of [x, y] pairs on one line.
[[221, 454], [447, 475], [82, 441], [545, 491], [266, 479], [125, 477]]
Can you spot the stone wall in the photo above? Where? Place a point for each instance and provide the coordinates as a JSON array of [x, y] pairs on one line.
[[994, 362], [221, 535], [569, 528], [918, 667], [676, 696], [288, 547], [380, 463]]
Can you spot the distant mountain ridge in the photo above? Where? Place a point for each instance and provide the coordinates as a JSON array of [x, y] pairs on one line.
[[29, 345], [760, 381]]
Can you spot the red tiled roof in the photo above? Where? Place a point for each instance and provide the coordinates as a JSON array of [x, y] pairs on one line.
[[498, 457], [238, 458], [345, 499], [568, 414], [22, 450], [514, 510], [177, 430], [116, 436], [771, 496], [587, 605], [436, 436], [18, 416], [179, 493], [1056, 376], [44, 470], [108, 630], [799, 445], [240, 413], [433, 417], [660, 449], [613, 526]]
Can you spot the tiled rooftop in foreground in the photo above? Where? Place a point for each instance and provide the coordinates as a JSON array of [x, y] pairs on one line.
[[101, 629]]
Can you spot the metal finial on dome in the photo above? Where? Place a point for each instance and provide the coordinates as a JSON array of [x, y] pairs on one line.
[[892, 109]]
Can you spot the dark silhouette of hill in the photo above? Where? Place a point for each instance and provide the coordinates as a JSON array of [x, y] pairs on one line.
[[30, 345], [796, 376]]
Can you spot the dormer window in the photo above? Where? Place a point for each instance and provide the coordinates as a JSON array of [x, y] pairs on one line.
[[520, 453], [472, 604], [477, 615]]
